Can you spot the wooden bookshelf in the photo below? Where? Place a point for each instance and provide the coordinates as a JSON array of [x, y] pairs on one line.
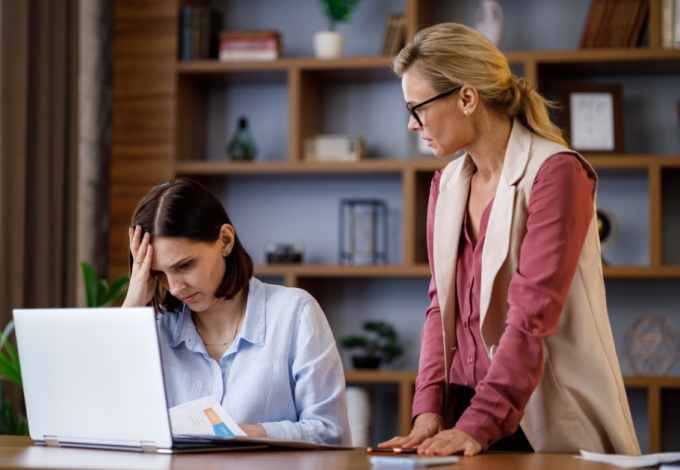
[[406, 379]]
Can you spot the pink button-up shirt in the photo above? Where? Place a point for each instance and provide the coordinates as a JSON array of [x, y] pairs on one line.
[[560, 211]]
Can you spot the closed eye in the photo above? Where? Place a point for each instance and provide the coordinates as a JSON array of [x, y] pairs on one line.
[[185, 265]]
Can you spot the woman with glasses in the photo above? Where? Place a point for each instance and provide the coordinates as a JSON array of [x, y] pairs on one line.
[[517, 351]]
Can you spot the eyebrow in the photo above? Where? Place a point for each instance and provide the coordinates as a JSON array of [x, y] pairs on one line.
[[184, 260]]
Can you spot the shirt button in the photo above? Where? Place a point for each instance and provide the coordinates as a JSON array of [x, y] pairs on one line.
[[470, 359], [469, 284], [465, 324], [535, 331]]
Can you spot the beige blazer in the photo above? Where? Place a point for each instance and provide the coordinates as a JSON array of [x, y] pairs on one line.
[[580, 402]]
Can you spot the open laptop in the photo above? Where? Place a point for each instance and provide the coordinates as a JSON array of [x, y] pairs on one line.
[[93, 378]]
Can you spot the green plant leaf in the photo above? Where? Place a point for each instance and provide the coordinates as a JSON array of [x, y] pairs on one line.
[[10, 370], [91, 284], [116, 290], [338, 10]]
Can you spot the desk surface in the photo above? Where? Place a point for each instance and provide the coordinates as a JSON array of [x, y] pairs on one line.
[[19, 452]]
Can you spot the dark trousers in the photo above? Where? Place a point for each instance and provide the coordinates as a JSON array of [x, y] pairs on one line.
[[516, 442]]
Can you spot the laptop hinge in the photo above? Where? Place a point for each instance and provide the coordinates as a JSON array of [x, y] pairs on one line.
[[52, 441], [148, 446]]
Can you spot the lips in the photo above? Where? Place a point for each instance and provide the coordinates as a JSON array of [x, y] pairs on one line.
[[186, 300]]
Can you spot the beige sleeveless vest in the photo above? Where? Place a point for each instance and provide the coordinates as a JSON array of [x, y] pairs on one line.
[[580, 402]]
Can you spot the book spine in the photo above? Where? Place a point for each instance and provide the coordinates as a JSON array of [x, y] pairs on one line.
[[213, 37], [676, 26], [603, 28], [592, 24], [259, 55], [186, 33], [667, 20], [196, 34], [204, 32], [643, 12]]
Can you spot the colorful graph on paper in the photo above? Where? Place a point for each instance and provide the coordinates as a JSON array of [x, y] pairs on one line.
[[218, 425]]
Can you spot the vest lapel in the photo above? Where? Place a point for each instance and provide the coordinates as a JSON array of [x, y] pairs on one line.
[[451, 204], [498, 229]]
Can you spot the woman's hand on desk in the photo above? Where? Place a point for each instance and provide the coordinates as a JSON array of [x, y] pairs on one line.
[[253, 430], [425, 426], [451, 441], [142, 283]]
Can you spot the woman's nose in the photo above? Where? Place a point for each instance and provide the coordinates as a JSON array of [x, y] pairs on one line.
[[413, 124], [176, 285]]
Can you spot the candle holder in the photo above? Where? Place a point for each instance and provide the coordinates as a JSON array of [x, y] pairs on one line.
[[363, 231]]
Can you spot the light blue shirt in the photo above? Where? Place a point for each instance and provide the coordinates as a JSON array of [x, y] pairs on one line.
[[282, 371]]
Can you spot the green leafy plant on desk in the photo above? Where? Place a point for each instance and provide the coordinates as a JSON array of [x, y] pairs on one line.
[[381, 344], [338, 11]]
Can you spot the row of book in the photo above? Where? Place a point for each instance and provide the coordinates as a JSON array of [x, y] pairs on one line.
[[395, 35], [615, 23], [200, 27], [670, 24]]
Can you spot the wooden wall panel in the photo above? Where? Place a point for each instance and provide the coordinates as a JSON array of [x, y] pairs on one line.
[[143, 121]]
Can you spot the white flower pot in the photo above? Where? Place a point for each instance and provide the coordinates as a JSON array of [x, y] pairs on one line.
[[328, 44]]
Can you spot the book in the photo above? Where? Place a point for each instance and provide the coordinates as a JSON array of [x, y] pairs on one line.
[[249, 45], [592, 24], [639, 22], [602, 33], [199, 28], [667, 23], [395, 32], [676, 26], [185, 48]]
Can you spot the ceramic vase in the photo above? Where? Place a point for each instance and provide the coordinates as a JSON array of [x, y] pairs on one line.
[[328, 44], [489, 21]]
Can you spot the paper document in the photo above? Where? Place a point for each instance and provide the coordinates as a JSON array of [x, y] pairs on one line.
[[628, 461], [204, 417]]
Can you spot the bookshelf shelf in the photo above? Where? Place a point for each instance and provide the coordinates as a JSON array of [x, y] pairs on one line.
[[225, 167]]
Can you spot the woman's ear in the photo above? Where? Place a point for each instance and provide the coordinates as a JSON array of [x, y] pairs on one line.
[[227, 239], [469, 99]]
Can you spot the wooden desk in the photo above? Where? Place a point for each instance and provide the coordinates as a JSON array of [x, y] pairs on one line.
[[20, 453]]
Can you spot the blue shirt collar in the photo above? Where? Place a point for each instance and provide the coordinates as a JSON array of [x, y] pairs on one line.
[[253, 329]]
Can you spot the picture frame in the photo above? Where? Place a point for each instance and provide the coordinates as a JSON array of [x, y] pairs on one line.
[[592, 117]]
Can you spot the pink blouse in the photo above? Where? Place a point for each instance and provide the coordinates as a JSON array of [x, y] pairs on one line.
[[560, 211]]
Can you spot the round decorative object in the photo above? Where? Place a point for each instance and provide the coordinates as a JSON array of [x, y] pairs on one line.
[[607, 227], [652, 345], [489, 21], [366, 362]]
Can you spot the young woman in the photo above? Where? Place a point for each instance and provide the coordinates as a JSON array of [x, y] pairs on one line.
[[265, 352], [517, 348]]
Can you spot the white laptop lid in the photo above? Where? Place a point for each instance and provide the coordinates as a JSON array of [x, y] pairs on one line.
[[93, 376]]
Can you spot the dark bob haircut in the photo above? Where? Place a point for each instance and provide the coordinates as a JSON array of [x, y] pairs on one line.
[[186, 209]]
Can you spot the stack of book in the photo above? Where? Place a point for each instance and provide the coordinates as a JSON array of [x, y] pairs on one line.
[[670, 24], [249, 45], [395, 34], [198, 36], [615, 23]]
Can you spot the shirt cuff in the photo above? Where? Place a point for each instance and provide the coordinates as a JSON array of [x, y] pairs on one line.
[[479, 426], [429, 400]]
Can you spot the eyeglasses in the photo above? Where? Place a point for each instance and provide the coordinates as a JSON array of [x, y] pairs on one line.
[[412, 109]]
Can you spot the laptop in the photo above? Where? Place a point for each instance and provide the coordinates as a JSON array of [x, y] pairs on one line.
[[93, 378]]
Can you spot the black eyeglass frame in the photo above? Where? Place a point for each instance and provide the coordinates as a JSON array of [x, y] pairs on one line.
[[412, 109]]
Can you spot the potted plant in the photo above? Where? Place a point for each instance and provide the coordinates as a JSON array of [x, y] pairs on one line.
[[381, 344], [328, 44], [11, 423]]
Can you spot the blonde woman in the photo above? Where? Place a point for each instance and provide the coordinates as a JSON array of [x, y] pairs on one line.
[[517, 351]]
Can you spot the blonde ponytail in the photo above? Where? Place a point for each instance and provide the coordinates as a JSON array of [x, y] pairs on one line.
[[450, 54]]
